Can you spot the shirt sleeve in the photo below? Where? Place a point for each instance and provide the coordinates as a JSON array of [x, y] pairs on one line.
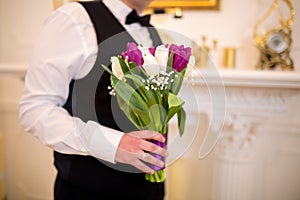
[[66, 50]]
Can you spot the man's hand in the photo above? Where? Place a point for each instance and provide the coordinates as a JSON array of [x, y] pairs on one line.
[[132, 149]]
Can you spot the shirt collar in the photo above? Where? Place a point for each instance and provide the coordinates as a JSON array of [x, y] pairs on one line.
[[118, 8]]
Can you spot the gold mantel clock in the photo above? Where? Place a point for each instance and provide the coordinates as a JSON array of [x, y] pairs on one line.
[[275, 45]]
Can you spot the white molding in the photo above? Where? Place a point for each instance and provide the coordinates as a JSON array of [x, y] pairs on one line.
[[273, 79], [267, 79], [13, 69]]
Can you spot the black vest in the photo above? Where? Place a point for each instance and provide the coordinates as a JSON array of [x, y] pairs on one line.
[[89, 99]]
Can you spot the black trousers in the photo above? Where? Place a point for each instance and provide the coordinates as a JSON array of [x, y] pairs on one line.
[[85, 178], [68, 191]]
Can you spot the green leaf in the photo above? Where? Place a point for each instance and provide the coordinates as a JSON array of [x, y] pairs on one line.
[[128, 112], [107, 69], [132, 65], [158, 115], [133, 100], [142, 124], [175, 104], [170, 62], [129, 95], [174, 100], [181, 117], [156, 111], [141, 120], [176, 85], [140, 87], [123, 65], [140, 71]]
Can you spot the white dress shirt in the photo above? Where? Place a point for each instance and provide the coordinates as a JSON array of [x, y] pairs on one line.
[[66, 50]]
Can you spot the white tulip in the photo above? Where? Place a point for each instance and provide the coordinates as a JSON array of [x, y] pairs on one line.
[[116, 67], [150, 65], [162, 56]]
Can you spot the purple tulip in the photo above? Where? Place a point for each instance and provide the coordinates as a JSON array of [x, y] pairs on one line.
[[181, 56], [152, 50], [133, 54]]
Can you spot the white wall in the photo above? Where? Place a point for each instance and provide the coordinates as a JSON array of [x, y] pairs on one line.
[[21, 22], [232, 26]]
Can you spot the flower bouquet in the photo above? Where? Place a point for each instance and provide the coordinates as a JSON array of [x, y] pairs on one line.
[[146, 82]]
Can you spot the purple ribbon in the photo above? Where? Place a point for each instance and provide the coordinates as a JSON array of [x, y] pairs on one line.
[[162, 145]]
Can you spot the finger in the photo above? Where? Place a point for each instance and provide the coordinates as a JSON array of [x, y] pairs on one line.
[[149, 134], [152, 160], [153, 148], [125, 156], [158, 137], [141, 166]]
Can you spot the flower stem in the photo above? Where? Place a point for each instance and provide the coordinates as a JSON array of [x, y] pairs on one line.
[[157, 177]]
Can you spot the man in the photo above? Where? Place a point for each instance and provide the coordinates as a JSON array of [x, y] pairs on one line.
[[65, 89]]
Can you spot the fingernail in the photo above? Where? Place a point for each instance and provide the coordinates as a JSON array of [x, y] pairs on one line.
[[151, 172]]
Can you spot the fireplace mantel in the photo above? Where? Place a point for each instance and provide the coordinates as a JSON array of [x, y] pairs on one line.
[[240, 78], [229, 77], [260, 111], [17, 70]]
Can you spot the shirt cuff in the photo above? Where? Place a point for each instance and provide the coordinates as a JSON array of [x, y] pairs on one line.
[[100, 141]]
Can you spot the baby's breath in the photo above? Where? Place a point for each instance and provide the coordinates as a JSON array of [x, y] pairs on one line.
[[112, 91], [159, 82]]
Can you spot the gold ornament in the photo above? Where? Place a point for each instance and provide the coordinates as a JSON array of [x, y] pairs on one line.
[[275, 45]]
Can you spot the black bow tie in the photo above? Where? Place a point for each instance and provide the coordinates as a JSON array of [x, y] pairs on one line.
[[132, 17]]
